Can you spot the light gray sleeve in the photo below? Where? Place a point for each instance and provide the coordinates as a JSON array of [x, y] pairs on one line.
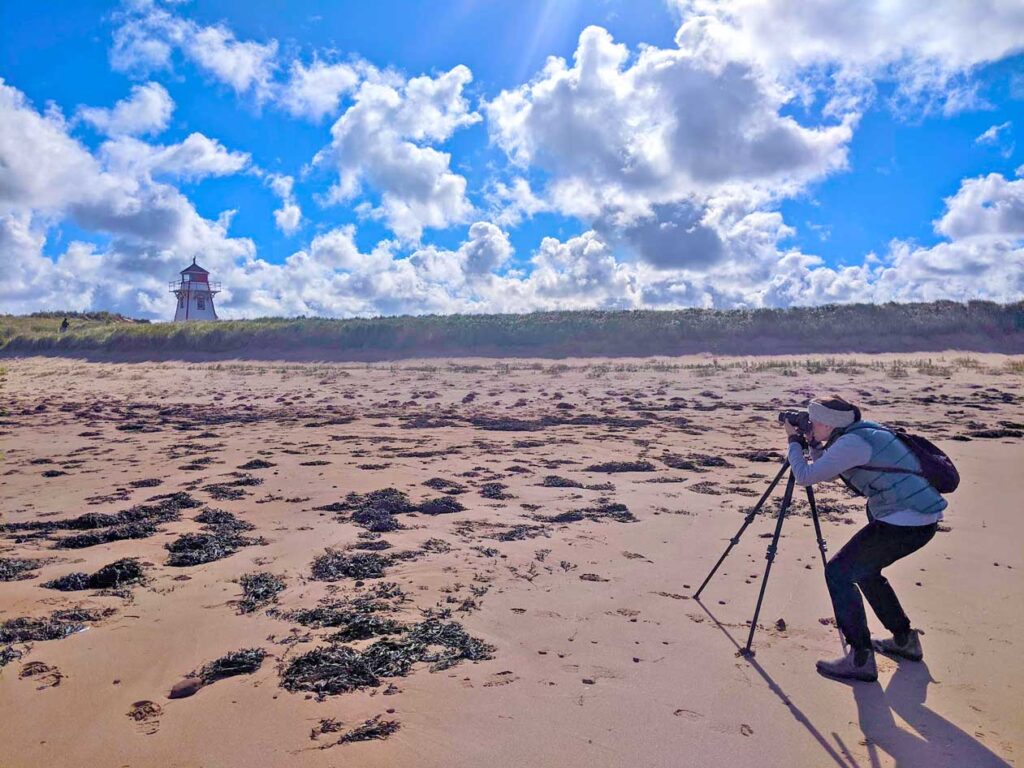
[[845, 453]]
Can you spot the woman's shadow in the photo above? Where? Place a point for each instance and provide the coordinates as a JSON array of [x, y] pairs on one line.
[[934, 742]]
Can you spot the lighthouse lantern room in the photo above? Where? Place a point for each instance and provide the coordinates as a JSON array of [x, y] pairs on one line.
[[194, 293]]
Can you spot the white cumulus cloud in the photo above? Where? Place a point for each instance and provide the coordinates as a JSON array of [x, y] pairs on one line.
[[927, 48], [147, 110], [288, 217], [315, 92], [384, 139]]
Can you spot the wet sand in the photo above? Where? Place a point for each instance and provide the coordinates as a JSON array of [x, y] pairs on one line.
[[581, 586]]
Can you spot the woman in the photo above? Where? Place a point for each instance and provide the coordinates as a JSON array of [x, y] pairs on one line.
[[904, 511]]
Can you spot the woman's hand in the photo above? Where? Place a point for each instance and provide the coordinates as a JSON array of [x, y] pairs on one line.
[[793, 435]]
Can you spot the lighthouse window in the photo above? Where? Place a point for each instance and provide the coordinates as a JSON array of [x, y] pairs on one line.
[[200, 303]]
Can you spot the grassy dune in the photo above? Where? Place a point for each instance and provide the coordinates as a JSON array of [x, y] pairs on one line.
[[977, 325]]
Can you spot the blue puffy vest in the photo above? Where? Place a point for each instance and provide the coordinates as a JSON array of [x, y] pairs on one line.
[[888, 492]]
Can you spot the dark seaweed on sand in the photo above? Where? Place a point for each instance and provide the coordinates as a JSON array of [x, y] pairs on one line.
[[107, 535], [605, 510], [521, 532], [354, 625], [442, 505], [232, 490], [390, 500], [258, 590], [222, 521], [376, 520], [374, 510], [554, 481], [167, 509], [334, 565], [371, 729], [373, 545], [334, 669], [439, 546], [16, 569], [221, 538], [495, 491], [445, 486], [243, 662], [203, 547], [457, 643], [621, 466], [257, 464], [8, 654], [118, 574], [327, 670], [57, 625]]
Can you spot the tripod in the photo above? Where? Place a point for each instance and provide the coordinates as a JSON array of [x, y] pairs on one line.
[[787, 498]]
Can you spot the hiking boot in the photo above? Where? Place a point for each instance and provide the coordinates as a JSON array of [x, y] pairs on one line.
[[911, 649], [847, 668]]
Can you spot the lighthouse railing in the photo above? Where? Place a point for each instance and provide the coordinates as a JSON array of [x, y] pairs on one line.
[[195, 286]]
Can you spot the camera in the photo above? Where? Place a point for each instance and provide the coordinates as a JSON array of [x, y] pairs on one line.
[[799, 419]]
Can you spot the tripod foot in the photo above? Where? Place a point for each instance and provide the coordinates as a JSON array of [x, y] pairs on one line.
[[746, 653]]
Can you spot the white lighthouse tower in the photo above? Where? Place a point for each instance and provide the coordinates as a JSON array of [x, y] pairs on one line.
[[194, 292]]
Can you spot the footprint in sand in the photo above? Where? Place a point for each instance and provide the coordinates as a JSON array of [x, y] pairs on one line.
[[45, 675], [146, 715], [500, 678], [689, 714]]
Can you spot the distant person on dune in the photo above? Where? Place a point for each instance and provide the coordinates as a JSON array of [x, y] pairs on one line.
[[904, 511], [64, 325]]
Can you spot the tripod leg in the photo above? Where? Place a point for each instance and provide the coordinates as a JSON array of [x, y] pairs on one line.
[[746, 522], [817, 526], [821, 548], [770, 557]]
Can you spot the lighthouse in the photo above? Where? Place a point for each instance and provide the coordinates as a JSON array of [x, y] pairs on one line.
[[194, 293]]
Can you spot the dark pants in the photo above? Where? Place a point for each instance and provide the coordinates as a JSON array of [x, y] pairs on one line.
[[859, 564]]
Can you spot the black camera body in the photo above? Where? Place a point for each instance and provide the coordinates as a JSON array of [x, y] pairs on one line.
[[799, 419]]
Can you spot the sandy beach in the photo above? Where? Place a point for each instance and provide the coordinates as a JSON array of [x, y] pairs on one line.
[[553, 521]]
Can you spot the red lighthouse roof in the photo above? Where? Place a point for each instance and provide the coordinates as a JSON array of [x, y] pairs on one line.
[[194, 269]]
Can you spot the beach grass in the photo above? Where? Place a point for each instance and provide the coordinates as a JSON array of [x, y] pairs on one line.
[[869, 328]]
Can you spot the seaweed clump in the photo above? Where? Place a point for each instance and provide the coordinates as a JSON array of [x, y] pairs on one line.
[[334, 669], [232, 490], [222, 537], [258, 590], [556, 481], [495, 491], [137, 522], [443, 505], [107, 535], [605, 510], [622, 466], [374, 728], [374, 510], [243, 662], [445, 486], [58, 625], [116, 575], [334, 565], [16, 569]]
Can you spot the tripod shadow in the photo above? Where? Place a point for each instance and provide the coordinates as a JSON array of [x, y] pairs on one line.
[[794, 710], [934, 742]]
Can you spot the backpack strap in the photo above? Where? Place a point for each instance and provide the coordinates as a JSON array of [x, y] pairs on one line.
[[847, 431], [869, 467]]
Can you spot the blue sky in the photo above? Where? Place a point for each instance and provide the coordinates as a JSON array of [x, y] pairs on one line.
[[827, 202]]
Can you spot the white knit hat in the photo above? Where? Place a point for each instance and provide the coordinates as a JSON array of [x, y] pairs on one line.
[[822, 414]]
